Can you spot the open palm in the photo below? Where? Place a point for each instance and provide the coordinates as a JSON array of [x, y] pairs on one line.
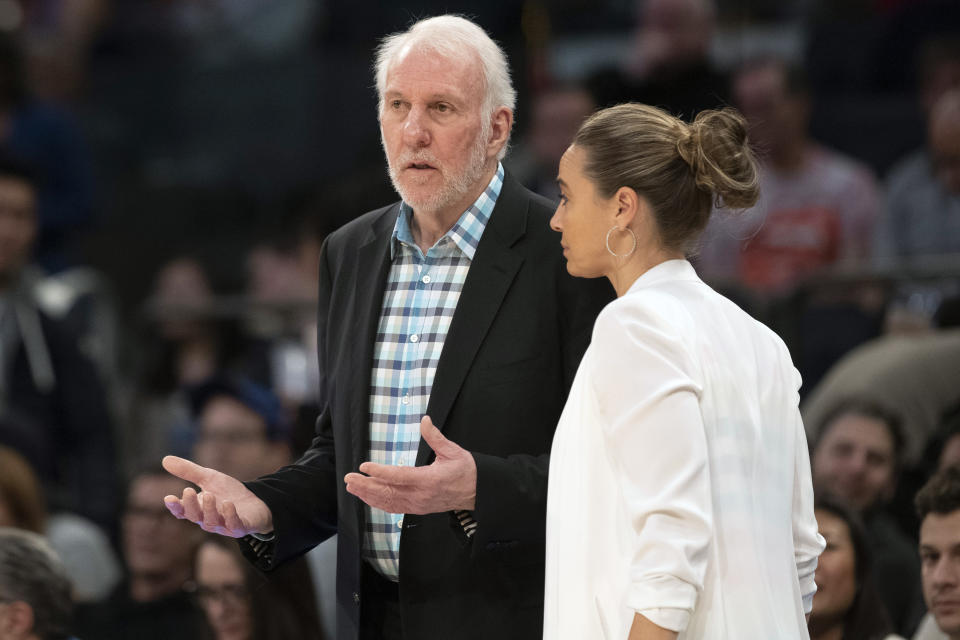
[[224, 505]]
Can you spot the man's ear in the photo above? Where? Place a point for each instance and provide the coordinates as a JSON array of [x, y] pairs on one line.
[[501, 122], [16, 620]]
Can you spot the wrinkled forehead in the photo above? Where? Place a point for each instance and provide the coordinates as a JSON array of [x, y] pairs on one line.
[[417, 68]]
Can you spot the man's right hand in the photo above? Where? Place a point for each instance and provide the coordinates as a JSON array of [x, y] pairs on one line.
[[224, 505]]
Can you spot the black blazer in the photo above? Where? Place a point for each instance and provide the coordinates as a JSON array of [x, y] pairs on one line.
[[515, 341]]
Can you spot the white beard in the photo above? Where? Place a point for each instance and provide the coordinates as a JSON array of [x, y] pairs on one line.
[[455, 185]]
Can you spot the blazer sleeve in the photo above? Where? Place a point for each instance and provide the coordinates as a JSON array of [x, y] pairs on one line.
[[649, 401]]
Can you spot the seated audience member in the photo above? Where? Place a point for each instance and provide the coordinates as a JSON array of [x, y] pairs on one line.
[[239, 603], [921, 216], [914, 376], [816, 208], [938, 506], [34, 589], [83, 548], [856, 460], [670, 65], [557, 114], [49, 390], [241, 429], [151, 603], [185, 344], [846, 605]]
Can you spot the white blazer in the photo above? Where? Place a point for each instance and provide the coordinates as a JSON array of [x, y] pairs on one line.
[[679, 476]]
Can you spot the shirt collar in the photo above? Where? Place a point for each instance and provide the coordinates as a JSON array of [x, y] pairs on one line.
[[466, 232]]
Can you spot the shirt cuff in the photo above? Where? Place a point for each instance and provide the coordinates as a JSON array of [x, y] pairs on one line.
[[264, 537], [467, 522]]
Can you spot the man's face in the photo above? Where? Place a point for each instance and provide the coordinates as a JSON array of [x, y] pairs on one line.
[[154, 542], [854, 460], [233, 439], [18, 225], [432, 131], [774, 117], [940, 564]]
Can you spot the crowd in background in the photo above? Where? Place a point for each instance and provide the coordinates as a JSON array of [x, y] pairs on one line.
[[169, 169]]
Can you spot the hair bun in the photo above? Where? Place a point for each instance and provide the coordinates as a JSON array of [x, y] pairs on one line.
[[715, 147]]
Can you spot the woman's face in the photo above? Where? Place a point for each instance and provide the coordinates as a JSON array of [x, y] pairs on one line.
[[584, 218], [223, 595], [836, 571]]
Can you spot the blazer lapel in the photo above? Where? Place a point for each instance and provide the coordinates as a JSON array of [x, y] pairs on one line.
[[494, 267], [372, 269]]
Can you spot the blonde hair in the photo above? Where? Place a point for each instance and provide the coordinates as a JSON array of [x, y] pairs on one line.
[[681, 169]]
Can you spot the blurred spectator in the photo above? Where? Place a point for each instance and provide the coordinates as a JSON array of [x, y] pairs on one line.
[[938, 67], [556, 115], [55, 405], [239, 603], [152, 602], [670, 65], [184, 343], [34, 589], [943, 448], [241, 430], [817, 207], [50, 140], [856, 459], [922, 213], [83, 548], [846, 605], [913, 376], [938, 506]]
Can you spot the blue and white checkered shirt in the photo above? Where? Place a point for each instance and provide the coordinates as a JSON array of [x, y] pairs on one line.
[[418, 305]]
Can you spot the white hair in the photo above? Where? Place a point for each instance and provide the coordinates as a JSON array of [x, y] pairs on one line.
[[455, 38]]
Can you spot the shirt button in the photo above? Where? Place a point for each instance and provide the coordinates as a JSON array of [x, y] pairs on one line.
[[425, 280], [405, 400], [414, 338], [356, 598], [400, 523]]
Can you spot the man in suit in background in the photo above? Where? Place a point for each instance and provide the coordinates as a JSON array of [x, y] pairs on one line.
[[447, 317]]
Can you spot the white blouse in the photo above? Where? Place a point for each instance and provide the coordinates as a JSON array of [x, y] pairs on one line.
[[679, 476]]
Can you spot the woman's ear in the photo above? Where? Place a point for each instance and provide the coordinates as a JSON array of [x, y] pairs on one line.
[[628, 204]]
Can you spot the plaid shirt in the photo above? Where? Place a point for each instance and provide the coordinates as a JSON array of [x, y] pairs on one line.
[[418, 305]]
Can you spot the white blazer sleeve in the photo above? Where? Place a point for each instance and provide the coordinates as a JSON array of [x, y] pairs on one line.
[[649, 405], [807, 541]]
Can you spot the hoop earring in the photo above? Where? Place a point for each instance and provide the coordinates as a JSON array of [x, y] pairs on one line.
[[628, 253]]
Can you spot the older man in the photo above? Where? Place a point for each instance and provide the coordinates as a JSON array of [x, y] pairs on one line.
[[448, 316], [34, 589]]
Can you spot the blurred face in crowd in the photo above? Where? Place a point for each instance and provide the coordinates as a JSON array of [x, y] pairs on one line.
[[944, 139], [182, 288], [18, 226], [557, 117], [776, 119], [836, 569], [940, 565], [673, 32], [153, 542], [222, 592], [232, 438], [432, 131], [855, 460], [950, 455]]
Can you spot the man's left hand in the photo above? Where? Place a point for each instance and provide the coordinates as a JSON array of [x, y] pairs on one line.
[[449, 483]]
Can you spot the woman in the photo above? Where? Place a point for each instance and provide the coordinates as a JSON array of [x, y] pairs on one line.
[[240, 604], [847, 605], [680, 502]]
